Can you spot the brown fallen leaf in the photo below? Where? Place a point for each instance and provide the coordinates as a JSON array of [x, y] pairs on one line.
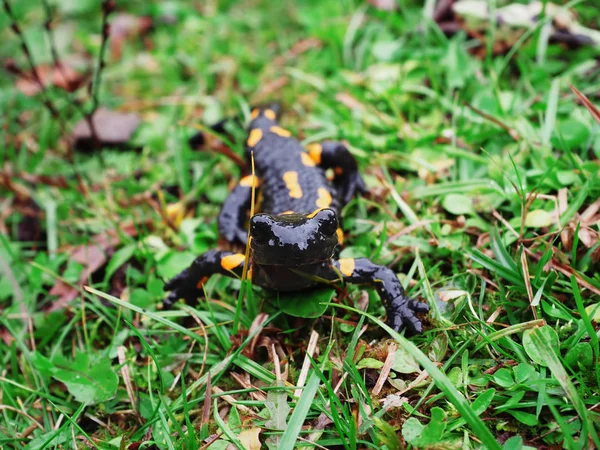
[[297, 49], [6, 337], [91, 256], [384, 5], [62, 76], [127, 26], [270, 88], [112, 128], [350, 102]]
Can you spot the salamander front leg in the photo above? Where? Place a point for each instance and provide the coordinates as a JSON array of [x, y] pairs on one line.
[[335, 155], [400, 308], [188, 283]]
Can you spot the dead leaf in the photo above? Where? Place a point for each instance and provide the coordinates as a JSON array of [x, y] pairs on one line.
[[126, 26], [112, 128], [6, 337], [297, 49], [515, 19], [271, 87], [350, 102], [62, 76], [447, 295], [384, 5], [249, 438], [91, 256], [394, 401]]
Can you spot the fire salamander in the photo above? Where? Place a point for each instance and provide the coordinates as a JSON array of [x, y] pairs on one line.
[[293, 240]]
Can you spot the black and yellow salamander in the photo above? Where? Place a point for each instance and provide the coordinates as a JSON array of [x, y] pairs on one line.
[[294, 238]]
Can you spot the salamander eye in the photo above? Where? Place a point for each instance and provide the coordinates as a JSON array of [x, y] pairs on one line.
[[261, 227], [328, 223]]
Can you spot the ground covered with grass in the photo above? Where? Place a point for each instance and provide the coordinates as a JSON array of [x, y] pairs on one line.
[[483, 196]]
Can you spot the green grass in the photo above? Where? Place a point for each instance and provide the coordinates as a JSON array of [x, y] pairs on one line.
[[479, 172]]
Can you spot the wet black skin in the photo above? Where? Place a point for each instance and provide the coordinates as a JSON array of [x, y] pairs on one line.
[[294, 237], [292, 252]]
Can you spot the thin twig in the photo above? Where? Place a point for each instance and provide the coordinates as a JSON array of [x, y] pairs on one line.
[[17, 30], [60, 66], [107, 7], [45, 96], [51, 40]]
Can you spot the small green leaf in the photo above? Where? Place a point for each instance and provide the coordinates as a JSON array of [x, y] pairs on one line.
[[369, 363], [538, 218], [412, 429], [458, 204], [234, 421], [89, 381], [309, 304], [548, 334], [483, 402], [504, 377], [523, 417], [404, 362], [524, 372], [173, 263], [570, 133], [120, 257], [580, 354], [513, 443], [567, 177], [434, 431], [41, 442], [141, 298]]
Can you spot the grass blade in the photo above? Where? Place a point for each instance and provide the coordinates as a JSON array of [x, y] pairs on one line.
[[441, 381], [288, 440]]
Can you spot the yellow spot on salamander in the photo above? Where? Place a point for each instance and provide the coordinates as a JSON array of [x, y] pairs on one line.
[[314, 213], [254, 114], [291, 182], [347, 266], [269, 114], [307, 160], [248, 180], [254, 137], [314, 151], [340, 235], [230, 262], [324, 200], [280, 131], [287, 212]]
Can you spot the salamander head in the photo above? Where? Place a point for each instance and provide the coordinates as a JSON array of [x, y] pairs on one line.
[[293, 239]]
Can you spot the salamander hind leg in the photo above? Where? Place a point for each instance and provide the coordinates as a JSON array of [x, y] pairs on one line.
[[188, 283], [401, 310]]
